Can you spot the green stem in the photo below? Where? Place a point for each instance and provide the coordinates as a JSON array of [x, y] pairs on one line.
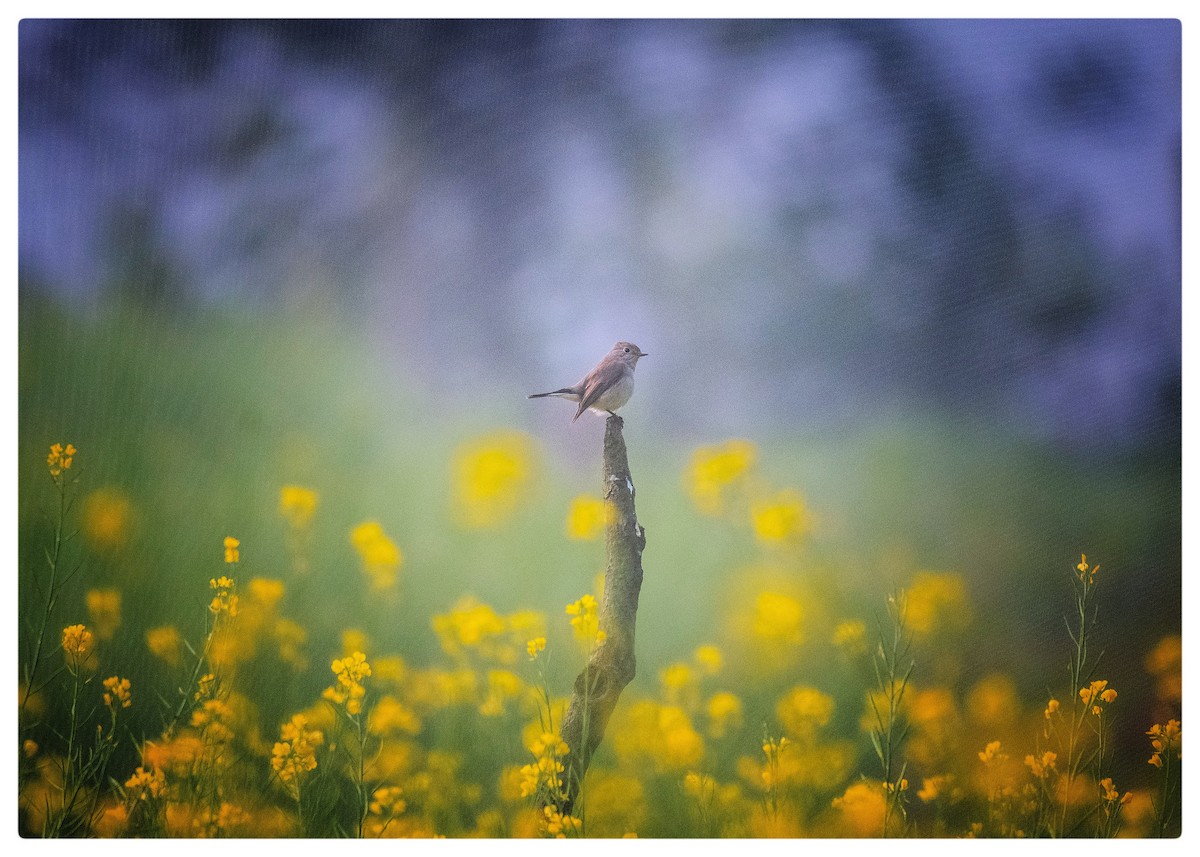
[[51, 595]]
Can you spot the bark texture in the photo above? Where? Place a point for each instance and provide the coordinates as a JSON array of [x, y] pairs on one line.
[[612, 665]]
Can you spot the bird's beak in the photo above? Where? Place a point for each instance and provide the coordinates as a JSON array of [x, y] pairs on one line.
[[641, 354]]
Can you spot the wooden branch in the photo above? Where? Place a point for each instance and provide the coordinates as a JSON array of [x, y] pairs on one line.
[[612, 665]]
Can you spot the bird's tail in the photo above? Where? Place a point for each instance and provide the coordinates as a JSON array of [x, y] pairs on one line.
[[565, 392]]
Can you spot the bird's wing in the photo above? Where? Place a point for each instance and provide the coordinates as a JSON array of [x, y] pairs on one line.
[[591, 393]]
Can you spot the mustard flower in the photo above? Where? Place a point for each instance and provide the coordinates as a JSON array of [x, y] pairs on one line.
[[936, 601], [164, 643], [145, 785], [349, 690], [586, 621], [1096, 693], [933, 787], [387, 801], [543, 775], [558, 825], [297, 505], [491, 476], [779, 517], [535, 647], [1107, 791], [379, 556], [116, 693], [224, 601], [778, 618], [586, 518], [1086, 573], [1164, 739], [295, 753], [715, 470], [231, 549], [709, 659], [724, 711], [77, 643], [106, 518], [991, 753], [1041, 766], [59, 459]]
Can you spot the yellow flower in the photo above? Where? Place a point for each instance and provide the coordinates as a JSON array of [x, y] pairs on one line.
[[116, 693], [224, 601], [1051, 708], [206, 688], [863, 807], [59, 459], [77, 643], [709, 659], [349, 690], [104, 608], [936, 601], [264, 592], [779, 518], [297, 505], [1086, 573], [662, 734], [475, 628], [1107, 791], [144, 785], [1095, 693], [991, 753], [214, 718], [231, 549], [993, 701], [387, 802], [586, 518], [503, 687], [724, 711], [491, 476], [804, 710], [586, 622], [1164, 739], [715, 470], [164, 643], [389, 716], [1165, 663], [1041, 766], [932, 787], [542, 777], [106, 516], [29, 747], [380, 556], [558, 825], [295, 753], [778, 618], [534, 646]]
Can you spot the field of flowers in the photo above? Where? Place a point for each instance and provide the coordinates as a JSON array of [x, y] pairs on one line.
[[238, 620]]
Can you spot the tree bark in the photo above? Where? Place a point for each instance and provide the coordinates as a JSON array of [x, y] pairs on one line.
[[612, 665]]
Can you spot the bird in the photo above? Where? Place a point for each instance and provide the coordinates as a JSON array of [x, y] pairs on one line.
[[605, 388]]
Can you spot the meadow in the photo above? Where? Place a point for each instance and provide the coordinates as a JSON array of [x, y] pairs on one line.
[[269, 589]]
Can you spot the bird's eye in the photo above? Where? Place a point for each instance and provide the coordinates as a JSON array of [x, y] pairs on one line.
[[626, 350]]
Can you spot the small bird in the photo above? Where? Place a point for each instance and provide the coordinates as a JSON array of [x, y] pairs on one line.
[[608, 386]]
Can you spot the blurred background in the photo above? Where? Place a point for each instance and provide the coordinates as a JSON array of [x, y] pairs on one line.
[[929, 270]]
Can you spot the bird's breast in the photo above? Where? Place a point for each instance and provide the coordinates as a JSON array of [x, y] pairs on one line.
[[616, 395]]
